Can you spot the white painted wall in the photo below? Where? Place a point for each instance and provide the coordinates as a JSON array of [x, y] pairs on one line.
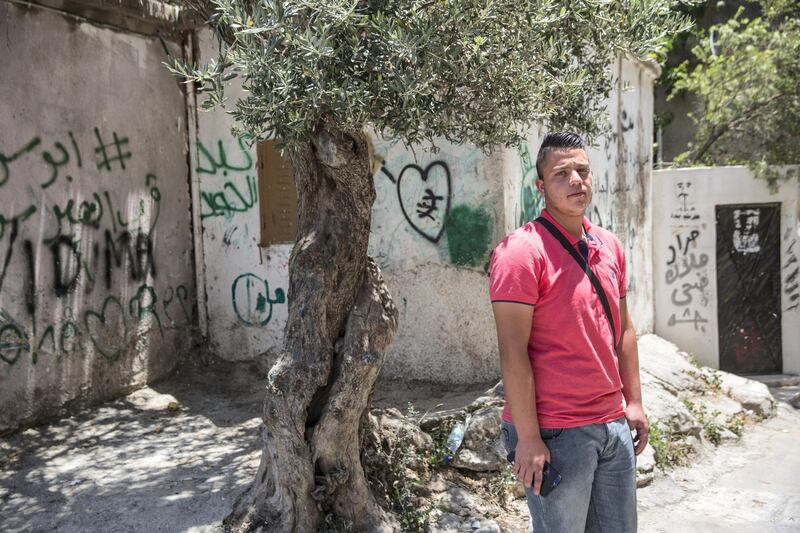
[[96, 277], [243, 283], [437, 275], [686, 201], [621, 164]]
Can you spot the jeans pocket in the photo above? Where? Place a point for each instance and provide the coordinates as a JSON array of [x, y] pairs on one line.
[[550, 433]]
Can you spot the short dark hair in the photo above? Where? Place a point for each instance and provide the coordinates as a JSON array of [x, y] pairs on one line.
[[563, 140]]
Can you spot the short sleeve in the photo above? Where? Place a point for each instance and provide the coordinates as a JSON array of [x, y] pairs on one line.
[[514, 271]]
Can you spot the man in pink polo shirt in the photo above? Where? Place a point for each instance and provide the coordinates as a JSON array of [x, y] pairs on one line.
[[569, 360]]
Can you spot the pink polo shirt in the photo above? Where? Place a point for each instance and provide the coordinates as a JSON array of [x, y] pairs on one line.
[[575, 366]]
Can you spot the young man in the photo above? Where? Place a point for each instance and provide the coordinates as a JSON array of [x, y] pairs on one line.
[[565, 372]]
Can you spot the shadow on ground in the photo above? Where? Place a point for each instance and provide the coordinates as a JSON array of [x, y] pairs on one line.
[[170, 457]]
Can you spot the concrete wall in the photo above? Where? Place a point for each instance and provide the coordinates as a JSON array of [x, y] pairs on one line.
[[685, 239], [436, 273], [621, 164], [96, 276], [242, 281]]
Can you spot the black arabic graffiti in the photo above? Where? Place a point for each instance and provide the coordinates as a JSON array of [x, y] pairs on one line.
[[683, 267], [683, 245], [428, 203], [685, 211], [681, 263], [687, 288], [687, 318]]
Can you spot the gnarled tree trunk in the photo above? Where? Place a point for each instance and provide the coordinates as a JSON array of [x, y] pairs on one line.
[[341, 319]]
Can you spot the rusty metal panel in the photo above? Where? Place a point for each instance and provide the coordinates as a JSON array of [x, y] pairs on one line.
[[277, 196], [749, 288]]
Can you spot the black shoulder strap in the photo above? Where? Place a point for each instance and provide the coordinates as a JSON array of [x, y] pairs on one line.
[[598, 288]]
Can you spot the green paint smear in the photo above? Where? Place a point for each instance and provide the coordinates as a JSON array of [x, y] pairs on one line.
[[530, 200], [468, 233]]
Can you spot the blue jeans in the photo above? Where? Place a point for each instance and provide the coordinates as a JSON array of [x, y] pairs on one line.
[[597, 492]]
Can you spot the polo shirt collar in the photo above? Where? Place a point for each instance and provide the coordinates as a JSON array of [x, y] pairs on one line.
[[587, 227]]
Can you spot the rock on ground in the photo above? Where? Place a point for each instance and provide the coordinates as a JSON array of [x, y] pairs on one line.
[[645, 467], [174, 456], [482, 449], [751, 394]]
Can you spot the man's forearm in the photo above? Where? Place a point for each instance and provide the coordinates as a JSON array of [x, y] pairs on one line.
[[520, 391], [628, 354]]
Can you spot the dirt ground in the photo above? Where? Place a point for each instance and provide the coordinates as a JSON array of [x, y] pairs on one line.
[[141, 464], [749, 485], [174, 456]]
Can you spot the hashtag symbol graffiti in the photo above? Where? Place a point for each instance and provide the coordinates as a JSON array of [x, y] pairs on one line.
[[102, 151]]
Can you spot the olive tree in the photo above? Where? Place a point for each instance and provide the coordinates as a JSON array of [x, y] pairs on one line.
[[747, 78], [317, 74]]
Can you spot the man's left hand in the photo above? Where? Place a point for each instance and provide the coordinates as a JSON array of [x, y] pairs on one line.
[[634, 413]]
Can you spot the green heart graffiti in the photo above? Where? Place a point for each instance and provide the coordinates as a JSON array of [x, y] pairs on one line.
[[99, 320]]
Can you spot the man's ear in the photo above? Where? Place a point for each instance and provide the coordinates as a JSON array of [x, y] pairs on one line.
[[540, 185]]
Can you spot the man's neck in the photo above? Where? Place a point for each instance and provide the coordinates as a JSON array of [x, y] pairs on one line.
[[573, 225]]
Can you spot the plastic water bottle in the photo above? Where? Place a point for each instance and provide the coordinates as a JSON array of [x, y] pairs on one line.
[[454, 440]]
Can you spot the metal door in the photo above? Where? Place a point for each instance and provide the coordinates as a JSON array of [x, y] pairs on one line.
[[749, 288]]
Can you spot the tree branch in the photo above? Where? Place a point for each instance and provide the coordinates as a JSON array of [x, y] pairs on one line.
[[721, 129]]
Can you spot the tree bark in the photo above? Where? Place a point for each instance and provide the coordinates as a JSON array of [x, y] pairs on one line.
[[341, 320]]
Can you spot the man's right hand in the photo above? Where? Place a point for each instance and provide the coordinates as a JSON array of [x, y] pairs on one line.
[[530, 456]]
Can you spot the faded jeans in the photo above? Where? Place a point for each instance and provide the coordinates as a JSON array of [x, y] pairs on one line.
[[597, 492]]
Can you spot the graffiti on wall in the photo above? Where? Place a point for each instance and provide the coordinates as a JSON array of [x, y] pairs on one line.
[[791, 271], [239, 193], [469, 232], [251, 299], [64, 249], [530, 201], [213, 163], [230, 187], [108, 156], [105, 327], [229, 199], [424, 195], [686, 209], [687, 275], [687, 280]]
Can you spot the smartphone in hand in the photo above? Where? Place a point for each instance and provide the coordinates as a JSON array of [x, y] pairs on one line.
[[550, 476]]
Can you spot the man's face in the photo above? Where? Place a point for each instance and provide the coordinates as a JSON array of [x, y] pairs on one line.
[[567, 182]]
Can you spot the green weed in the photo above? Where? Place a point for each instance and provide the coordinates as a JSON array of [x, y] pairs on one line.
[[711, 428], [669, 448], [501, 484], [710, 378], [392, 477]]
